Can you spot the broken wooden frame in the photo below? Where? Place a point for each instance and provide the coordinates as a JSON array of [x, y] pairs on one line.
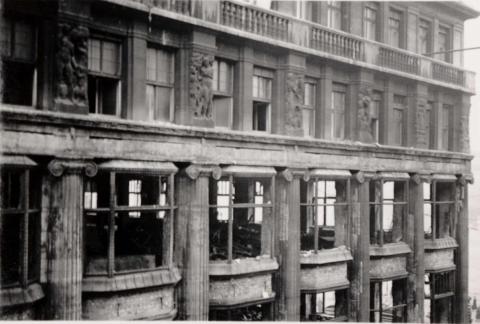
[[388, 301], [439, 294], [324, 305]]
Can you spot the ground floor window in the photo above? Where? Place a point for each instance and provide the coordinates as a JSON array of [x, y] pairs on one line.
[[256, 312], [128, 222], [324, 306], [388, 301], [439, 292]]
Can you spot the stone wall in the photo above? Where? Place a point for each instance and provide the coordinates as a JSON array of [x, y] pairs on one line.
[[240, 289]]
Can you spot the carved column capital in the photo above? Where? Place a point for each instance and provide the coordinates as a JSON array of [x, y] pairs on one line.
[[290, 173], [359, 177], [193, 171], [59, 166], [465, 179]]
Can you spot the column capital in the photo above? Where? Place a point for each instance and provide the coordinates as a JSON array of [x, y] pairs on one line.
[[465, 178], [193, 171], [58, 166], [289, 173], [419, 178]]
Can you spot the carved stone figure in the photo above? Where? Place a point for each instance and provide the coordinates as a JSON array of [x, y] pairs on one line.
[[72, 60], [201, 82], [294, 98], [364, 116]]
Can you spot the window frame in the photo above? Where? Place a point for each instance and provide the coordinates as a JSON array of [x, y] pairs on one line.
[[338, 88], [446, 30], [433, 296], [161, 84], [392, 11], [446, 131], [401, 107], [368, 21], [335, 8], [303, 298], [266, 75], [113, 208], [221, 94], [311, 107], [379, 308], [425, 24]]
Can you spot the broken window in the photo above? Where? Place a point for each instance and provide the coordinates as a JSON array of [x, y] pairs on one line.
[[20, 227], [439, 208], [18, 51], [323, 212], [223, 93], [160, 79], [324, 306], [104, 71], [128, 219], [241, 217], [308, 109], [388, 208], [439, 292], [388, 301], [262, 96], [258, 312]]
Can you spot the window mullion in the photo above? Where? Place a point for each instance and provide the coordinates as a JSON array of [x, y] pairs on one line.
[[230, 219], [434, 211], [315, 216], [171, 216], [111, 228], [381, 213], [26, 203], [272, 215]]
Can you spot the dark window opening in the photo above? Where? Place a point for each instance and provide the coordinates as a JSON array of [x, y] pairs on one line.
[[388, 208], [439, 292], [260, 312], [260, 116], [324, 306], [439, 209], [241, 215], [388, 301], [323, 212], [139, 221], [102, 95]]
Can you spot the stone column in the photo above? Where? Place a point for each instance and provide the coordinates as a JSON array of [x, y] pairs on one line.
[[461, 258], [288, 241], [414, 237], [360, 246], [65, 238], [324, 102], [192, 239], [242, 87]]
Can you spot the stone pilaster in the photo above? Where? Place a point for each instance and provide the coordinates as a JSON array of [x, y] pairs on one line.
[[65, 238], [360, 112], [360, 248], [462, 143], [192, 240], [288, 240], [417, 116]]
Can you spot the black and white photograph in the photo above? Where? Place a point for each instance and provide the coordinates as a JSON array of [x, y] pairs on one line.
[[240, 160]]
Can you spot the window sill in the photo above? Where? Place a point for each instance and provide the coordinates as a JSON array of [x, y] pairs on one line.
[[230, 303], [389, 249], [441, 244], [119, 282], [243, 266], [339, 254], [17, 295]]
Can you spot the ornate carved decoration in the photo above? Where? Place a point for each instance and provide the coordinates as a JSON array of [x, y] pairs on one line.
[[364, 115], [287, 175], [72, 69], [201, 81], [193, 171], [294, 98], [416, 179], [359, 177], [58, 166]]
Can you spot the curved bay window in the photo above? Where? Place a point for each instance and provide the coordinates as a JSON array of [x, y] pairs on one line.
[[324, 204], [129, 209], [388, 301], [439, 207], [20, 225], [241, 213], [388, 208], [439, 294]]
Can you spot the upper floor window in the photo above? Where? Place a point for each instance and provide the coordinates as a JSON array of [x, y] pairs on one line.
[[335, 14], [104, 84], [439, 293], [388, 302], [424, 36], [370, 21], [439, 208], [399, 108], [128, 216], [446, 127], [375, 108], [20, 230], [241, 216], [428, 123], [18, 50], [223, 93], [443, 43], [337, 111], [323, 211], [262, 97], [160, 79], [308, 109], [388, 208], [395, 28]]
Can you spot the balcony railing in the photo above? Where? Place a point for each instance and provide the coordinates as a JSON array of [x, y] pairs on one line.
[[281, 27]]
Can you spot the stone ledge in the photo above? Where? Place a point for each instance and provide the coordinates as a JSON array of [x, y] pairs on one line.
[[389, 276], [389, 249], [441, 244], [119, 282], [339, 254], [232, 302], [18, 295], [242, 266]]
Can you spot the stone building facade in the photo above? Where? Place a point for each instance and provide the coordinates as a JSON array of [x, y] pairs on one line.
[[215, 160]]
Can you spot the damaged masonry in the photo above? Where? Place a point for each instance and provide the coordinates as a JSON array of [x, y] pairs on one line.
[[220, 160]]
